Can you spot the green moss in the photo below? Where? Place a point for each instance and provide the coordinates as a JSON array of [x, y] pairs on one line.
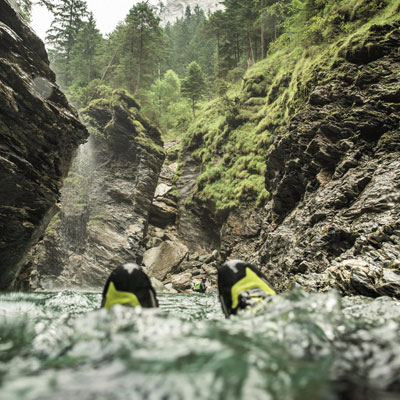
[[233, 133], [53, 226], [144, 132], [150, 146], [121, 96]]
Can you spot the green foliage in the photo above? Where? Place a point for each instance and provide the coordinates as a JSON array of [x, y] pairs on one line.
[[69, 17], [193, 85], [188, 41], [141, 47], [24, 7], [232, 135], [296, 44]]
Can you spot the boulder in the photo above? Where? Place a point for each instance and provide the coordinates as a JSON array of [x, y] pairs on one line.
[[162, 214], [182, 282], [165, 258], [210, 269], [190, 265]]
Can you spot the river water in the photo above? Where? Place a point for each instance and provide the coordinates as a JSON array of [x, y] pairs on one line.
[[61, 346]]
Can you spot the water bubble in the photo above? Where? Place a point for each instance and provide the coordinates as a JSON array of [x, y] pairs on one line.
[[42, 87]]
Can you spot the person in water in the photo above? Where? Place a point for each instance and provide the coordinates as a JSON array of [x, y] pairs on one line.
[[201, 287], [240, 286]]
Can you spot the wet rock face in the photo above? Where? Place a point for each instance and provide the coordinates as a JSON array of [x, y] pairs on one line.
[[334, 177], [106, 200], [39, 133], [195, 225]]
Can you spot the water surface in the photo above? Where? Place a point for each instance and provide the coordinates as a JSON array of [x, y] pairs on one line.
[[299, 346]]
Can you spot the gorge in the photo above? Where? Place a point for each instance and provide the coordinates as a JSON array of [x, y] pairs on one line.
[[264, 131], [329, 217]]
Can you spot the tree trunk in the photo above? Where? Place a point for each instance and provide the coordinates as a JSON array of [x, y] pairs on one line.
[[218, 50], [90, 68], [139, 74], [159, 87], [237, 48], [109, 65], [262, 30], [250, 60]]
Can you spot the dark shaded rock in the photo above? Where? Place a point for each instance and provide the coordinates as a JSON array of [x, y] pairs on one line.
[[189, 265], [357, 277], [162, 214], [39, 133], [319, 97], [196, 226]]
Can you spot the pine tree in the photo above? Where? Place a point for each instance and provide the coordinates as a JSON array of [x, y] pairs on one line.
[[193, 85], [143, 47], [85, 52], [69, 17], [188, 41]]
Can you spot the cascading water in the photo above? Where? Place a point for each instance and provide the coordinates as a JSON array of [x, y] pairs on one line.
[[62, 251], [300, 346]]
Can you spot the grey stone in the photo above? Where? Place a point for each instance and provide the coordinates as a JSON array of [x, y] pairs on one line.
[[162, 214], [153, 242], [158, 285], [161, 190], [210, 269], [189, 265], [355, 276], [182, 282], [193, 256], [206, 258], [165, 258]]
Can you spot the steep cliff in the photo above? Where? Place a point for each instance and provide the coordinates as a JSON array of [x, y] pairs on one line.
[[105, 202], [174, 9], [313, 134], [39, 133]]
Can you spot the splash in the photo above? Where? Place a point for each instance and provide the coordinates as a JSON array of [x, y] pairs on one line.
[[299, 347]]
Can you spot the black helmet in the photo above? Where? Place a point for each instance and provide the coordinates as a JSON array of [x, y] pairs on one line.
[[129, 285], [241, 285]]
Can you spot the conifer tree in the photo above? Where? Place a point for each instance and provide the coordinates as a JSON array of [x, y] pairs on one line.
[[69, 17], [84, 53], [193, 85], [143, 47], [24, 7]]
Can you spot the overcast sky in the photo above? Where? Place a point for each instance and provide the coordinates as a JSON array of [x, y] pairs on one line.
[[107, 14]]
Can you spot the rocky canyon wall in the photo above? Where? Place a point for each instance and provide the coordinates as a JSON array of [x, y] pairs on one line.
[[105, 202], [39, 133], [333, 218], [332, 173]]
